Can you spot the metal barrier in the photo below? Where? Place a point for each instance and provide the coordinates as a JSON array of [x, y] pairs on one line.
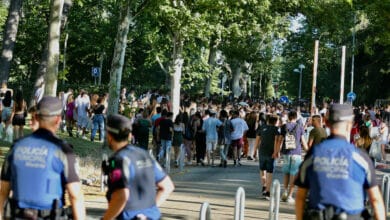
[[386, 191], [205, 211], [274, 200], [240, 204]]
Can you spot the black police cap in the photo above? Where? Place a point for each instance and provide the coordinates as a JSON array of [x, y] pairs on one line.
[[340, 112], [49, 106], [118, 124]]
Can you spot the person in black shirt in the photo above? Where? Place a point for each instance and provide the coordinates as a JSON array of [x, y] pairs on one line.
[[98, 120], [269, 138], [164, 134]]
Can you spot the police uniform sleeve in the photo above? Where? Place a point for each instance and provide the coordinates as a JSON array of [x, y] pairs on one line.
[[72, 169], [368, 166], [302, 179], [6, 168], [119, 173], [159, 173]]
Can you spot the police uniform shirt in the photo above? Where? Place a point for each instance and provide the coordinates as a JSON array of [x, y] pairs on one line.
[[38, 167], [132, 167], [336, 173]]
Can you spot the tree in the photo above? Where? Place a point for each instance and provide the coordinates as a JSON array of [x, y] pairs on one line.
[[10, 33]]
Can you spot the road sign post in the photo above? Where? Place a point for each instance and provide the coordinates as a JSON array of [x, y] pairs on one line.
[[95, 73]]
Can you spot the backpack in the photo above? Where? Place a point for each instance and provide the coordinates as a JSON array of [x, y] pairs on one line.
[[290, 139]]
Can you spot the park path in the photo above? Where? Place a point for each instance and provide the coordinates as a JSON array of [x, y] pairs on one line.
[[215, 185]]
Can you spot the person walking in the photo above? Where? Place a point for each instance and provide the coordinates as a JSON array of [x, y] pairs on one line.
[[269, 139], [82, 104], [210, 126], [40, 168], [19, 113], [133, 176], [6, 112], [97, 110], [239, 128], [318, 133], [293, 141], [251, 120], [336, 176], [143, 126], [177, 140], [164, 134], [224, 139], [69, 114]]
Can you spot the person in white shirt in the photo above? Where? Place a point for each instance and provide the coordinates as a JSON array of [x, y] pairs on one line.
[[82, 106]]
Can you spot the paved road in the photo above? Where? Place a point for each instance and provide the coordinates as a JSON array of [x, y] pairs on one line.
[[217, 186]]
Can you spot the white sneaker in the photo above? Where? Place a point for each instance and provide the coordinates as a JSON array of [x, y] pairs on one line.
[[290, 200], [284, 196]]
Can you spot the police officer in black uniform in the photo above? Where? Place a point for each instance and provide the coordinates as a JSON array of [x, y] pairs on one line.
[[133, 176], [336, 176], [38, 170]]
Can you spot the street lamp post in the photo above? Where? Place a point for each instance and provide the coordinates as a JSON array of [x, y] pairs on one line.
[[301, 67]]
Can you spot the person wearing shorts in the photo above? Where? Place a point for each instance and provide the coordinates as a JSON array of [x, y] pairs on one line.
[[210, 127], [268, 138], [239, 128], [292, 158]]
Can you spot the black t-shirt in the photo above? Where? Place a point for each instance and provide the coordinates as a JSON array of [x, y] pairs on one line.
[[267, 134], [165, 129]]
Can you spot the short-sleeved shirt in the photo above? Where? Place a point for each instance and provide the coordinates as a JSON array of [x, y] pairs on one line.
[[165, 129], [239, 128], [298, 132], [210, 127], [133, 168], [318, 135], [38, 167], [267, 133], [337, 173]]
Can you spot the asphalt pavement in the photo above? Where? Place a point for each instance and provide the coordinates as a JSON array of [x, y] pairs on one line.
[[217, 186]]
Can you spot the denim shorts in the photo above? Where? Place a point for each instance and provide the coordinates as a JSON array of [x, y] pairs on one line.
[[291, 164]]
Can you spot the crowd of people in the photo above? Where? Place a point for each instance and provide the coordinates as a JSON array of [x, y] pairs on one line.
[[204, 133]]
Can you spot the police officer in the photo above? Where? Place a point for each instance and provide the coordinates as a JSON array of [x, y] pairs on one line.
[[38, 170], [133, 176], [335, 175]]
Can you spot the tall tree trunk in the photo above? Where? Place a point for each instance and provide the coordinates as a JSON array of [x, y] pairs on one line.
[[176, 73], [51, 76], [119, 58], [10, 33], [236, 70], [211, 62], [269, 88]]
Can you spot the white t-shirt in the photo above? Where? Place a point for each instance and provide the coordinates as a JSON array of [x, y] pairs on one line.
[[239, 127], [82, 103]]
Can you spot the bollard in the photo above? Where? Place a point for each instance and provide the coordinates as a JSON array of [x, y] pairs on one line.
[[204, 211], [274, 200], [103, 176], [240, 204], [386, 191]]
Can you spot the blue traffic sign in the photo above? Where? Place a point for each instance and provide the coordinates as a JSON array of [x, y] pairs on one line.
[[95, 71], [351, 96], [284, 99]]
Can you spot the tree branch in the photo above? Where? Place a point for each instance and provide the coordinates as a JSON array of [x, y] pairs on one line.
[[161, 64]]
